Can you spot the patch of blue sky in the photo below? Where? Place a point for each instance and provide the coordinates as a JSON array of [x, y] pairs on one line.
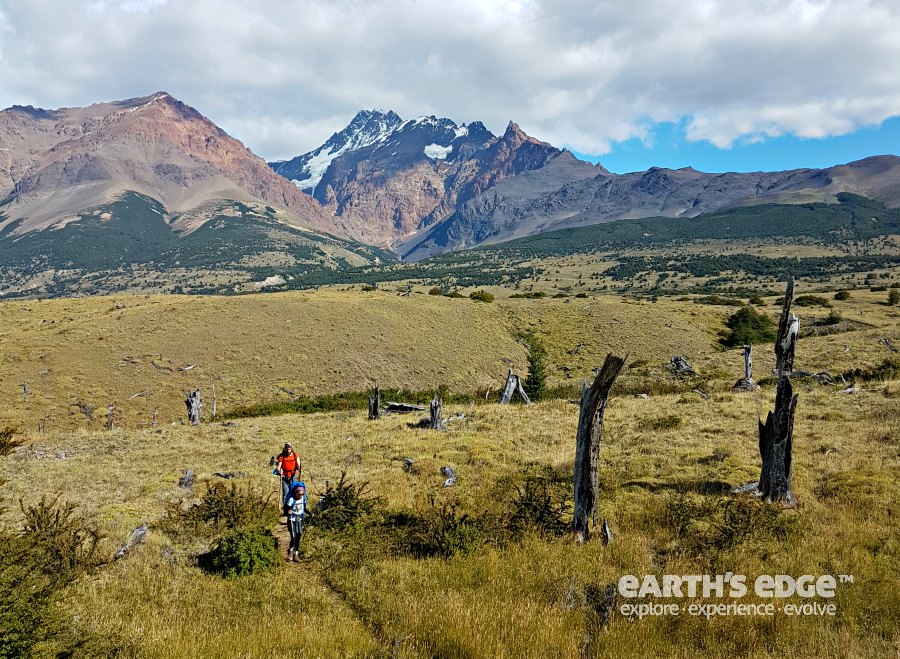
[[669, 147]]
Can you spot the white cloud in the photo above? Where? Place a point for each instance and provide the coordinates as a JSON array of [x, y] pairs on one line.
[[282, 75]]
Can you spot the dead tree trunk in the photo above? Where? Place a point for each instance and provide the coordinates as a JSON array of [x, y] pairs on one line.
[[746, 383], [375, 404], [513, 385], [434, 422], [194, 404], [587, 445], [776, 435], [508, 389], [110, 418]]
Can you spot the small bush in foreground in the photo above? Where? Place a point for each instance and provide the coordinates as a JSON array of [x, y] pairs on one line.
[[222, 508], [543, 504], [842, 295], [344, 504], [242, 552]]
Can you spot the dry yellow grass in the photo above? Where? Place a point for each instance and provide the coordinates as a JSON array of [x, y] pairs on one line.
[[100, 350], [519, 601], [524, 599]]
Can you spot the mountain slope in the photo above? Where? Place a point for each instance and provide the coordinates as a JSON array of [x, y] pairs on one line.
[[384, 178], [528, 205], [56, 163]]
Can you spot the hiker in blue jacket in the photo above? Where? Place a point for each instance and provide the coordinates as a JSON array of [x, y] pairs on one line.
[[296, 506]]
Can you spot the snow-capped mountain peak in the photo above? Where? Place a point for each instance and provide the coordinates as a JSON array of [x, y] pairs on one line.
[[368, 127]]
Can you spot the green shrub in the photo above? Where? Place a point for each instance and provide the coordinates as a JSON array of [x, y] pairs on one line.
[[344, 504], [747, 325], [581, 295], [8, 440], [889, 369], [223, 507], [241, 552], [543, 504], [842, 295], [757, 300], [454, 294], [55, 547], [435, 291], [834, 317], [536, 383], [894, 297], [445, 532], [65, 542], [719, 300], [701, 523], [481, 296], [812, 301]]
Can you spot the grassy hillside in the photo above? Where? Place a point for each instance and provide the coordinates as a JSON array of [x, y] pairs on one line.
[[78, 355], [129, 246]]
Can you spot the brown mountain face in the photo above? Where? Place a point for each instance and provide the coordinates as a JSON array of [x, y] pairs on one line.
[[55, 163], [384, 178], [565, 193]]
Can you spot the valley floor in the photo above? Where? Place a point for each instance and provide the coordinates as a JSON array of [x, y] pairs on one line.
[[668, 463]]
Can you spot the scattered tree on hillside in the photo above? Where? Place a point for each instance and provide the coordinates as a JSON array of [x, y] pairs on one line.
[[747, 325], [536, 383]]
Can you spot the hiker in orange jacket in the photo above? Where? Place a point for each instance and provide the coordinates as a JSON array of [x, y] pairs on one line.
[[289, 468]]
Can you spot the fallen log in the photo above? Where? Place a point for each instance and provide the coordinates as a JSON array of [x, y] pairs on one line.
[[402, 408]]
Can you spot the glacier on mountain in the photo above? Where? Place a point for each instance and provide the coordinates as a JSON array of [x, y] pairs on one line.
[[437, 152]]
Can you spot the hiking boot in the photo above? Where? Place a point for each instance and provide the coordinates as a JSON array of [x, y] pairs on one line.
[[296, 556]]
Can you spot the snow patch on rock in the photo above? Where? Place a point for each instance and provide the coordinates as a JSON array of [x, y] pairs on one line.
[[437, 152]]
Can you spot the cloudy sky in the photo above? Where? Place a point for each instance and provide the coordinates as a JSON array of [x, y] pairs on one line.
[[717, 84]]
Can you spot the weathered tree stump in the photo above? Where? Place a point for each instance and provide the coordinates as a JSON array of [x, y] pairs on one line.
[[137, 538], [776, 434], [513, 385], [375, 404], [187, 479], [110, 417], [587, 445], [746, 383], [434, 422], [681, 366], [194, 404]]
